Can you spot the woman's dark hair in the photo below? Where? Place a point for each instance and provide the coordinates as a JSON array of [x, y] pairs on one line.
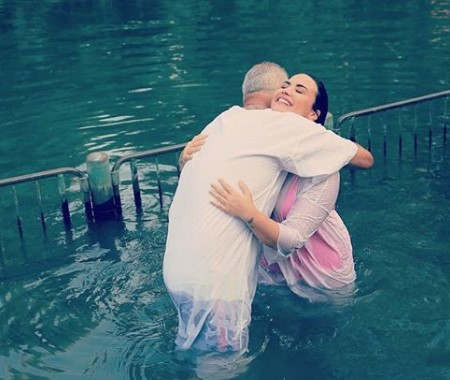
[[321, 102]]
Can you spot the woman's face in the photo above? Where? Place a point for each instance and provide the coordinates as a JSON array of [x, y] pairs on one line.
[[298, 95]]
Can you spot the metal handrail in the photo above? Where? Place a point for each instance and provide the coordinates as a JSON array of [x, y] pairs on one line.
[[41, 175], [401, 105], [134, 174], [390, 106], [59, 173], [155, 153], [147, 153]]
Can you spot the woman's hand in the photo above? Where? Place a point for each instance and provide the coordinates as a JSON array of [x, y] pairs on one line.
[[192, 147], [233, 202], [240, 204]]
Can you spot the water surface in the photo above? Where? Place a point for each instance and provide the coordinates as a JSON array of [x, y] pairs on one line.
[[120, 77]]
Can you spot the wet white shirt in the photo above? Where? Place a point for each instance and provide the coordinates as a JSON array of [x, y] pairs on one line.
[[211, 256]]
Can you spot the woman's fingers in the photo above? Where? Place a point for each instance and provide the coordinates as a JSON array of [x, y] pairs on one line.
[[193, 147], [222, 193], [219, 194], [219, 200], [226, 186], [197, 142], [200, 138], [244, 188], [189, 151], [218, 189], [230, 200]]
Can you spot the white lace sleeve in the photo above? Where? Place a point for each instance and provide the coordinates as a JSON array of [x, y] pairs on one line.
[[316, 198]]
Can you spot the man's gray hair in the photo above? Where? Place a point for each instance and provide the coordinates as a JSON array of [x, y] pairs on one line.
[[263, 76]]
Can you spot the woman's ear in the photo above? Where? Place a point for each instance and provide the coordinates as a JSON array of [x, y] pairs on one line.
[[314, 115]]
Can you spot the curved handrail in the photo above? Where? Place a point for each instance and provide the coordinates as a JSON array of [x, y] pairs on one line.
[[147, 153], [41, 175], [390, 106], [136, 190]]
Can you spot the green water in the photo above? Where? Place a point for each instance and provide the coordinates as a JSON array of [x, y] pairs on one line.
[[120, 77]]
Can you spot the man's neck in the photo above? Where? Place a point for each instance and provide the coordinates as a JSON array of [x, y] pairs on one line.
[[257, 100], [254, 107]]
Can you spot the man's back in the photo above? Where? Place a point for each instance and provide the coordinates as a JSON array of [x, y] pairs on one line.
[[204, 244]]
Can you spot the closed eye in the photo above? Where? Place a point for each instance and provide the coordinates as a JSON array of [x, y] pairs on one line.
[[301, 89]]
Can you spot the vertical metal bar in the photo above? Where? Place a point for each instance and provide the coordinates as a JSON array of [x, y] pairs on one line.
[[84, 186], [16, 206], [41, 209], [136, 189], [446, 117], [115, 179], [430, 126], [64, 203], [415, 130], [384, 135], [158, 178], [445, 134], [400, 130], [2, 256], [352, 134]]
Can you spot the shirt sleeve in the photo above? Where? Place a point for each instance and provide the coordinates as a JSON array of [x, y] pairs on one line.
[[318, 151], [316, 198]]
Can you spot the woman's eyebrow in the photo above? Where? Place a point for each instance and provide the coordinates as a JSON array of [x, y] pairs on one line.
[[301, 86]]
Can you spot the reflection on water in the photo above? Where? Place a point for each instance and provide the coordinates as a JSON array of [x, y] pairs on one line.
[[118, 76]]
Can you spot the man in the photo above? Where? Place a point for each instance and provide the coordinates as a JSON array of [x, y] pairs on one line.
[[211, 258]]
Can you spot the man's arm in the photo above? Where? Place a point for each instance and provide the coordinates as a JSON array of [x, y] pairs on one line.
[[363, 158]]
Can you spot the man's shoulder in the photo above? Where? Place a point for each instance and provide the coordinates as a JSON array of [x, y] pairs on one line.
[[265, 112], [266, 117]]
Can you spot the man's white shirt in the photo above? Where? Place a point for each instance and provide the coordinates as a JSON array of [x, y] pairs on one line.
[[210, 254]]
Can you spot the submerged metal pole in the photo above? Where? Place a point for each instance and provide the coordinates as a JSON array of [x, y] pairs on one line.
[[115, 178], [97, 165], [84, 184], [18, 217], [41, 207], [64, 202], [158, 178], [136, 188]]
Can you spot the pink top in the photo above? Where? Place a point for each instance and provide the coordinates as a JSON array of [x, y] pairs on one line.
[[314, 245]]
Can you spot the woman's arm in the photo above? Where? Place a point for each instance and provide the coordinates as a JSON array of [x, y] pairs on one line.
[[240, 204], [314, 202]]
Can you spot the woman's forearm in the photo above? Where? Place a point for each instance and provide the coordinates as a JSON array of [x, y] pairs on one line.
[[240, 204], [264, 228]]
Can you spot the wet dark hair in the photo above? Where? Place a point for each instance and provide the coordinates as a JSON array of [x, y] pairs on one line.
[[321, 102]]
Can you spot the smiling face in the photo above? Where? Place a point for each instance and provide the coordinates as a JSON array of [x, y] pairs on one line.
[[298, 95]]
